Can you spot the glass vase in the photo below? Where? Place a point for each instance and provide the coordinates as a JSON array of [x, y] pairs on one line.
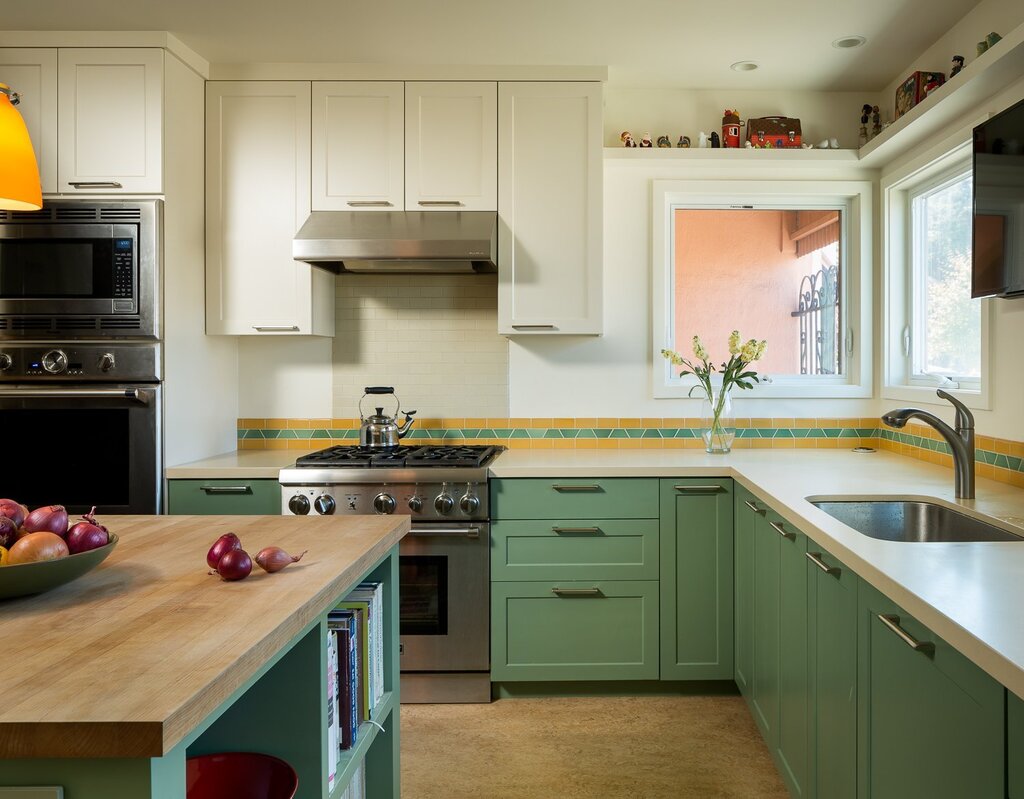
[[719, 426]]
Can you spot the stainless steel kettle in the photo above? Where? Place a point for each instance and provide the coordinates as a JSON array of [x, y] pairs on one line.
[[380, 431]]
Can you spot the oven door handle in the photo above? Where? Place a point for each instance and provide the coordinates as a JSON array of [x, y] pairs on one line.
[[138, 395], [464, 532]]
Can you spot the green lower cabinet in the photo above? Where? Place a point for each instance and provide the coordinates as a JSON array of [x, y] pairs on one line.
[[574, 498], [832, 626], [574, 630], [228, 497], [764, 693], [931, 723], [743, 607], [792, 749], [1015, 746], [696, 564]]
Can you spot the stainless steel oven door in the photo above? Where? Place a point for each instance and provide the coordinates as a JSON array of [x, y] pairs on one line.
[[444, 588], [80, 446]]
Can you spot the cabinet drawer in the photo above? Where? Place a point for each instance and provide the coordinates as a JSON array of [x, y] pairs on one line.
[[575, 498], [576, 549], [594, 630], [224, 497]]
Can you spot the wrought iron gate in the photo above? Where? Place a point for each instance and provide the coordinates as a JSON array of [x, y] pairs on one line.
[[818, 312]]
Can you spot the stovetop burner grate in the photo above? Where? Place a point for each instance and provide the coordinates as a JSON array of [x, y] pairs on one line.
[[342, 456]]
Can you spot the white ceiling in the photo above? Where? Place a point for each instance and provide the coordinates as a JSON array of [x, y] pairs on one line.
[[679, 43]]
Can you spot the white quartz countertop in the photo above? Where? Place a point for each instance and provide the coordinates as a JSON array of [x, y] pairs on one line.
[[970, 594]]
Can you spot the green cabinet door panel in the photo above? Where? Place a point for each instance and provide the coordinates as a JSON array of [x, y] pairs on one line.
[[591, 630], [792, 749], [832, 609], [574, 498], [696, 579], [743, 581], [931, 723], [764, 695], [229, 497], [575, 549], [1015, 745]]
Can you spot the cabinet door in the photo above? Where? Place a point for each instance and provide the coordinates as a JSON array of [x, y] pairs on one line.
[[696, 579], [234, 497], [32, 73], [793, 747], [746, 512], [110, 127], [574, 630], [931, 723], [257, 196], [549, 208], [764, 695], [451, 146], [1015, 745], [358, 146], [832, 609]]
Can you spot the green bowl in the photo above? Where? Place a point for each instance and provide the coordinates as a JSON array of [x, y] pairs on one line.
[[34, 578]]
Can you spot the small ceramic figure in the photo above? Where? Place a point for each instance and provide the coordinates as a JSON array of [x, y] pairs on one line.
[[822, 145], [703, 140], [992, 38], [833, 143], [684, 141], [748, 144], [982, 46], [627, 139], [730, 128], [958, 64], [865, 113], [715, 141], [876, 121], [645, 140], [664, 141]]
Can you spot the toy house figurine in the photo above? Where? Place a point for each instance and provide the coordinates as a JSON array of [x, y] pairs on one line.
[[731, 128], [958, 64], [645, 140], [664, 141], [627, 139]]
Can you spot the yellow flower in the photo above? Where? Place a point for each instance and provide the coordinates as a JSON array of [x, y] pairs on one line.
[[760, 349], [734, 342], [748, 352], [698, 349], [673, 356]]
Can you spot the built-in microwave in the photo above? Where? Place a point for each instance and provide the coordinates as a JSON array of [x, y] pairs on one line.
[[81, 269]]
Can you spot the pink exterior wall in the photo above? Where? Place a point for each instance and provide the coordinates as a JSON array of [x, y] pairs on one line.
[[738, 269]]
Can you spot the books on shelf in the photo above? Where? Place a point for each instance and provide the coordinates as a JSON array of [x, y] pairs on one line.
[[332, 711], [357, 785]]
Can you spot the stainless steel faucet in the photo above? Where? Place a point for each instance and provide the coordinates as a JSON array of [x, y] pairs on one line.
[[960, 440]]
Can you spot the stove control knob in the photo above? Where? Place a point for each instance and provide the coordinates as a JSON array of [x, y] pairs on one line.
[[470, 502], [415, 503], [55, 361], [443, 504], [299, 504], [106, 362], [5, 362], [384, 504], [324, 504]]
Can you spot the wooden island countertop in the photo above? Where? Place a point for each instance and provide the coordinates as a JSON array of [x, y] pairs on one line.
[[127, 660]]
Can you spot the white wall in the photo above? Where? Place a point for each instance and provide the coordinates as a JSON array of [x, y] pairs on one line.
[[284, 377]]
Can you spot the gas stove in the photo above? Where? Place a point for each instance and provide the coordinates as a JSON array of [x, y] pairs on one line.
[[430, 483]]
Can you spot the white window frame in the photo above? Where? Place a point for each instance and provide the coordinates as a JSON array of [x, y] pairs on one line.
[[937, 167], [852, 197]]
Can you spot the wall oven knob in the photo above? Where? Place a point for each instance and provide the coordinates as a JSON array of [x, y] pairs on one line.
[[324, 504], [55, 361], [469, 504], [299, 504], [384, 503], [443, 504], [415, 503], [5, 362], [106, 362]]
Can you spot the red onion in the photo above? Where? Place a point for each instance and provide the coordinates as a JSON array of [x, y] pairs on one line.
[[273, 559], [14, 511], [8, 532], [234, 565], [87, 534], [47, 519], [221, 546]]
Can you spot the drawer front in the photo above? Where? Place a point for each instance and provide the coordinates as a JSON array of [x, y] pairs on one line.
[[224, 497], [595, 630], [575, 549], [575, 498]]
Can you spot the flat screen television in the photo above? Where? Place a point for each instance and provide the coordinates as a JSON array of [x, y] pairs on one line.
[[998, 258]]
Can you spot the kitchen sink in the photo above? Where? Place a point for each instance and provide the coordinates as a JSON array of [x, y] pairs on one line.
[[911, 521]]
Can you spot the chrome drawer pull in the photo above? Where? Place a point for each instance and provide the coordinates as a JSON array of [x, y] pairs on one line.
[[275, 328], [576, 591], [227, 489], [369, 204], [777, 527], [583, 488], [594, 530], [533, 327], [440, 203], [699, 489], [462, 532], [892, 621], [95, 184], [754, 507], [815, 558]]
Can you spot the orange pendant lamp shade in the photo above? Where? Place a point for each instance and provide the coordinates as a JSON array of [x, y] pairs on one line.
[[19, 175]]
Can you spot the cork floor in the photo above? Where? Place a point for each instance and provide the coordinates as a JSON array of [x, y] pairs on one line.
[[586, 748]]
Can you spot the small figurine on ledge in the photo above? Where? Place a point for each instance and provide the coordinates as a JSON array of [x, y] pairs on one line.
[[730, 128], [684, 141], [865, 113], [715, 141], [645, 140], [876, 121], [958, 64], [664, 141], [627, 139]]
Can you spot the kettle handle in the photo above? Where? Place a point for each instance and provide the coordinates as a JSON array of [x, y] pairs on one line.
[[379, 390]]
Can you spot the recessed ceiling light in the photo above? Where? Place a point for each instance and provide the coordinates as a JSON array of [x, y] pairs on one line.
[[744, 66], [848, 42]]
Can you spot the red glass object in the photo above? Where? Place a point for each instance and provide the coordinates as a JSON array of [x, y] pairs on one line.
[[239, 775]]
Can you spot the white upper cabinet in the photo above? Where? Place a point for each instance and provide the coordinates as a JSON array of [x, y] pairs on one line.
[[549, 208], [257, 197], [451, 146], [32, 72], [358, 145], [110, 126]]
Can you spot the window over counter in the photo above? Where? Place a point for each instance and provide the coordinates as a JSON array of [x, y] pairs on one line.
[[785, 267]]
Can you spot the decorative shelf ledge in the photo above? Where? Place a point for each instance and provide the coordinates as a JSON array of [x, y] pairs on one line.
[[745, 154]]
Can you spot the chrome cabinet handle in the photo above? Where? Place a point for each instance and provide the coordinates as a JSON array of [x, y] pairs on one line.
[[78, 393], [440, 203], [227, 489], [699, 489], [593, 530], [581, 488], [464, 532], [892, 621], [275, 328], [754, 507], [95, 184], [815, 558], [533, 327], [777, 527], [369, 204], [576, 591]]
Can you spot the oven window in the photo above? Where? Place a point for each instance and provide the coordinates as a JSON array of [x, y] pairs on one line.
[[423, 594], [41, 268], [71, 457]]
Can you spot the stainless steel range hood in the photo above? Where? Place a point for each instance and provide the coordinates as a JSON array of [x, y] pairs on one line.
[[438, 242]]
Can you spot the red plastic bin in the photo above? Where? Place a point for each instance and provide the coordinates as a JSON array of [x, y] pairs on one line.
[[239, 775]]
